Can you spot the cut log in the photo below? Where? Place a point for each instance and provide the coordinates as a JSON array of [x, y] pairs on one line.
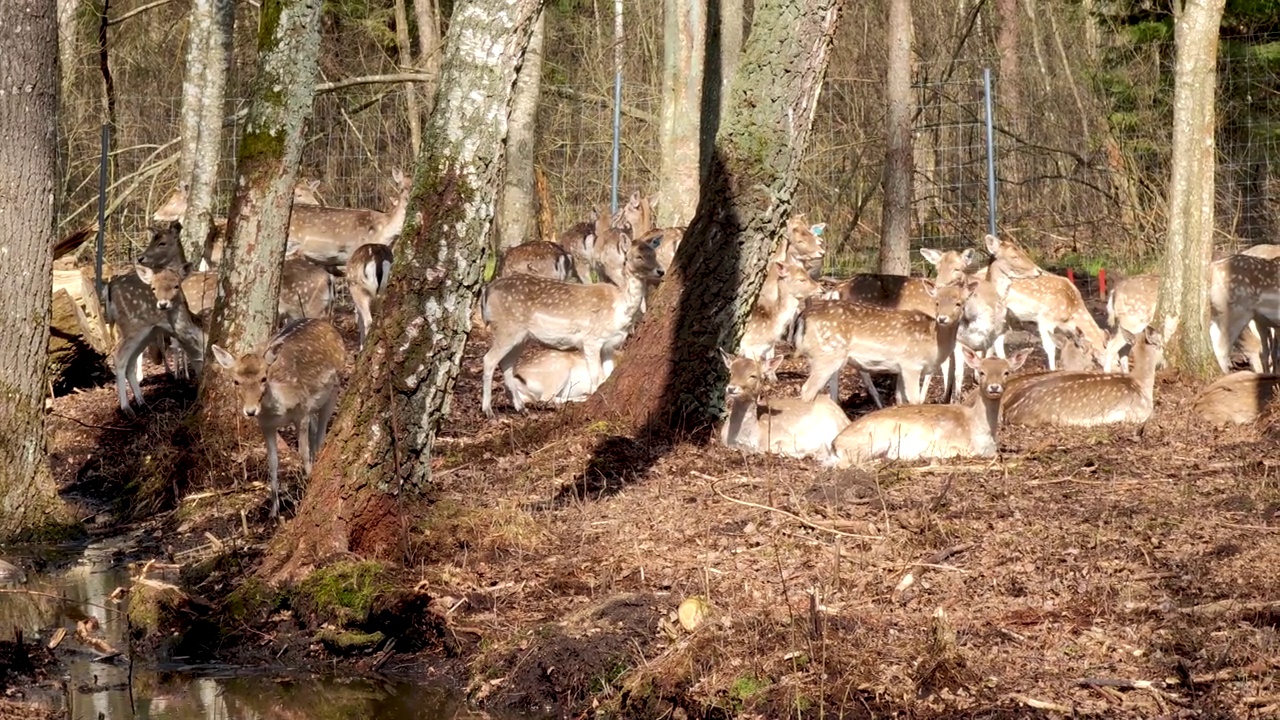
[[71, 356]]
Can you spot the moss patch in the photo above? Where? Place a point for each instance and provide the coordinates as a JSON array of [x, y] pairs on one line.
[[344, 593]]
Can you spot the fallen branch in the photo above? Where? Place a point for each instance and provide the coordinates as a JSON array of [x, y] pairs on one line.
[[793, 516], [1043, 705], [934, 561], [1223, 608], [1121, 683], [137, 11]]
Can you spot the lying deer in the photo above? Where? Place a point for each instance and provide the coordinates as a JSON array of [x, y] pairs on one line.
[[919, 432], [1238, 398], [367, 273], [595, 318], [129, 304], [899, 292], [549, 375], [1087, 399], [541, 258], [911, 344], [781, 426], [769, 320], [293, 381]]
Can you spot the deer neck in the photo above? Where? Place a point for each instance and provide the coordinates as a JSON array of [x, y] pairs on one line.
[[742, 427], [1144, 371], [984, 413], [632, 294], [393, 221], [946, 338]]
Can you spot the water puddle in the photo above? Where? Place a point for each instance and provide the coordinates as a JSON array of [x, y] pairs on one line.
[[100, 688]]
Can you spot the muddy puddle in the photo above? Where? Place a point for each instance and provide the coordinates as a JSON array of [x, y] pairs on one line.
[[72, 589]]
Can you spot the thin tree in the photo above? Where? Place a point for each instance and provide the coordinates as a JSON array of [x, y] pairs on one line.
[[29, 500], [899, 159], [427, 15], [684, 48], [516, 213], [209, 51], [379, 448], [270, 146], [1183, 309], [671, 377]]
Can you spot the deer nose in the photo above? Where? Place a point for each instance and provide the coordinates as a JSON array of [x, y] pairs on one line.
[[162, 304], [250, 411], [732, 391], [995, 389], [944, 320]]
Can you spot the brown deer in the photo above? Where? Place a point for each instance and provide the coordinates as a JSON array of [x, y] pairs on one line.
[[911, 344], [1270, 251], [129, 304], [174, 205], [306, 290], [769, 320], [293, 381], [538, 257], [905, 293], [781, 426], [1244, 289], [917, 432], [1086, 398], [595, 318], [550, 375], [328, 235], [367, 274], [1238, 398]]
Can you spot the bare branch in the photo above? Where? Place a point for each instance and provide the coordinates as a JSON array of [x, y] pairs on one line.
[[137, 11], [570, 93]]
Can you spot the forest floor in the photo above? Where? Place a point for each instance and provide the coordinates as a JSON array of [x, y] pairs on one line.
[[1118, 572]]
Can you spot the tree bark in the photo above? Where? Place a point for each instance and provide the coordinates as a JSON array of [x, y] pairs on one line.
[[203, 103], [68, 43], [270, 147], [405, 56], [516, 213], [28, 119], [1007, 47], [899, 161], [671, 379], [684, 49], [427, 13], [731, 24], [378, 450], [1183, 308]]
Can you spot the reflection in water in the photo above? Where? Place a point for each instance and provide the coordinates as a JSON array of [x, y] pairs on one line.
[[102, 691]]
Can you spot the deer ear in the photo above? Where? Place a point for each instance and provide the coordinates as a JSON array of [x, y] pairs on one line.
[[931, 288], [992, 242], [272, 353], [224, 358], [175, 225], [968, 256], [653, 200], [971, 358], [773, 362], [781, 268], [726, 357], [931, 255], [145, 274], [1019, 358]]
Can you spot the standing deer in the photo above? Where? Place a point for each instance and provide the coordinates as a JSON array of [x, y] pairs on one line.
[[1052, 302], [328, 235], [906, 293], [781, 426], [916, 432], [293, 381], [367, 274], [1086, 398], [306, 290], [174, 205], [1243, 289], [541, 258], [594, 318], [769, 320]]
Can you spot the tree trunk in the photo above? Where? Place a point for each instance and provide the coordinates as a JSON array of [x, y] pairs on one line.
[[730, 20], [899, 160], [427, 13], [28, 119], [516, 213], [1007, 47], [671, 379], [1183, 308], [203, 103], [684, 47], [378, 450], [405, 60], [270, 146], [68, 43]]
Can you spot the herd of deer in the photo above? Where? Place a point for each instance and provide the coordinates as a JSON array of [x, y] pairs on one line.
[[558, 311], [555, 333]]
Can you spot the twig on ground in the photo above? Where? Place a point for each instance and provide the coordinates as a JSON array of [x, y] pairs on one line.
[[1043, 704], [934, 561], [1121, 683], [793, 516], [91, 425], [1221, 608]]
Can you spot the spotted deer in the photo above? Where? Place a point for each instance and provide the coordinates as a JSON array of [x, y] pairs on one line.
[[1086, 398], [306, 290], [594, 318], [539, 257], [579, 241], [294, 380], [550, 375], [905, 293], [198, 290], [367, 273], [1238, 398], [780, 426], [1270, 251], [908, 343], [769, 320], [1244, 289], [918, 432], [174, 205], [1052, 302], [328, 235], [129, 304]]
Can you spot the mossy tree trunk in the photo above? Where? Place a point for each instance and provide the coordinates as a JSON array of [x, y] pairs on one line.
[[1183, 308], [671, 378], [899, 160], [684, 49], [270, 146], [28, 119], [209, 48], [379, 446]]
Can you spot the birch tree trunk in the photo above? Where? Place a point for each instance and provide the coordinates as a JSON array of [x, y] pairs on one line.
[[1183, 308], [671, 379], [427, 13], [204, 103], [378, 449], [684, 49], [29, 500], [516, 213], [731, 24], [899, 161], [270, 146]]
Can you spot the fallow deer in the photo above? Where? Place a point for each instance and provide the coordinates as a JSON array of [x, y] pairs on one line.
[[549, 375], [910, 344], [293, 381], [328, 235], [129, 304], [769, 320], [538, 257], [781, 426], [580, 242], [174, 205], [595, 318], [905, 293], [1087, 398], [1238, 398], [198, 290], [1243, 289], [918, 432], [1270, 251], [306, 290], [367, 274], [1052, 302]]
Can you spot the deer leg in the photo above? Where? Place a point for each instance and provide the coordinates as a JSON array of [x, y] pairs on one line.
[[304, 442], [128, 362], [364, 315], [1046, 341], [320, 428], [1254, 336], [273, 468], [871, 388], [594, 353], [508, 365], [822, 371], [957, 373], [1114, 344], [1221, 348], [498, 352]]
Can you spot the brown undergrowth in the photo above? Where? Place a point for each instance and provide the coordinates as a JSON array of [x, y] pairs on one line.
[[1120, 572]]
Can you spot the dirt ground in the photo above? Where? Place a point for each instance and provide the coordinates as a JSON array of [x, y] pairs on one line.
[[1127, 572]]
